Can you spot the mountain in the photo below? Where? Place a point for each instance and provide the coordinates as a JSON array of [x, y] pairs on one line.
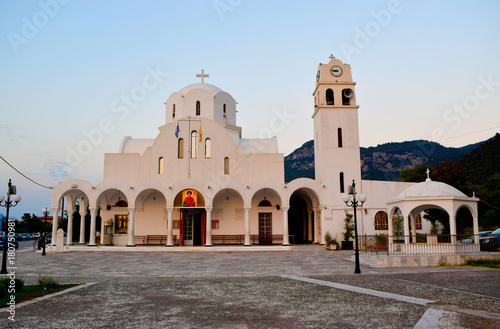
[[484, 161], [381, 162]]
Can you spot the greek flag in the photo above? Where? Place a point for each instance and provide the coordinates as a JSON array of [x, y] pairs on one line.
[[177, 130]]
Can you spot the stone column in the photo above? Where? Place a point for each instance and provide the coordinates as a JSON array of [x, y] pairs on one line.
[[55, 223], [286, 241], [170, 226], [316, 226], [322, 228], [130, 229], [390, 228], [247, 227], [69, 239], [310, 233], [208, 227], [83, 213], [93, 215]]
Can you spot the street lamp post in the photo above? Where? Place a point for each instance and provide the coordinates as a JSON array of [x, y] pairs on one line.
[[354, 204], [7, 204], [45, 212]]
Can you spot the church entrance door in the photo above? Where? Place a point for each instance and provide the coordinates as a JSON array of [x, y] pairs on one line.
[[193, 227], [265, 229], [300, 218]]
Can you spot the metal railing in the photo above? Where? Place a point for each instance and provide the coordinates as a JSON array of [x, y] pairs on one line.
[[428, 244]]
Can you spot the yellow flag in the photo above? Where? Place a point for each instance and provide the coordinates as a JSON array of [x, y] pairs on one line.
[[201, 138]]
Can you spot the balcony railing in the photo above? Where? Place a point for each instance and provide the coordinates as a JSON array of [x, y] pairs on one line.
[[428, 244]]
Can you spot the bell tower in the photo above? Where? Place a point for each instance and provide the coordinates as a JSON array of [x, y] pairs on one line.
[[336, 132]]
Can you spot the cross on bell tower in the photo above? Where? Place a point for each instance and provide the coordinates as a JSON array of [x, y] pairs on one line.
[[202, 76]]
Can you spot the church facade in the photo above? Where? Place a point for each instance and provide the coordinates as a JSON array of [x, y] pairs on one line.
[[200, 181]]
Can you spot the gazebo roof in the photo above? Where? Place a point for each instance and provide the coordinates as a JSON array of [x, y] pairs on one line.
[[430, 188]]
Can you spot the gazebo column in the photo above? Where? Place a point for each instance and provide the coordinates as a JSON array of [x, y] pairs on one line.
[[93, 215], [69, 230], [247, 227], [170, 226], [55, 223], [286, 241], [413, 229], [208, 227], [406, 225], [83, 213], [453, 230], [475, 223], [130, 229]]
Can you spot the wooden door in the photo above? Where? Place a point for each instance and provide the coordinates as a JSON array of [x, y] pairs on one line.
[[203, 234], [265, 229]]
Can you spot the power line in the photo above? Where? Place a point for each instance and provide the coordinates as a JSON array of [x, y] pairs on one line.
[[489, 204], [24, 174]]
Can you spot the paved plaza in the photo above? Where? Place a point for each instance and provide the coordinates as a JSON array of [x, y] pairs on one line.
[[298, 287]]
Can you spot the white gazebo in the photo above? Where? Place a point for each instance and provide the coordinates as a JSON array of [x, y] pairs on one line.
[[426, 195]]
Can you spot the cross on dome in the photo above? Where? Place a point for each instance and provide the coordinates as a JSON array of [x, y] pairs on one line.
[[428, 172], [332, 57], [202, 76]]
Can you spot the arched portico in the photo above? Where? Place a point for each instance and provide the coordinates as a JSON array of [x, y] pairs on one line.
[[303, 202]]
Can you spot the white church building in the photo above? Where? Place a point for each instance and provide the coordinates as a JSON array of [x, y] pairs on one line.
[[200, 182]]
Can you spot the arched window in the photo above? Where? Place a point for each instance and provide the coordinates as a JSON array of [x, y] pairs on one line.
[[180, 148], [418, 222], [224, 110], [160, 166], [329, 97], [194, 144], [198, 108], [208, 148], [226, 166], [339, 136], [173, 111], [381, 222], [341, 179]]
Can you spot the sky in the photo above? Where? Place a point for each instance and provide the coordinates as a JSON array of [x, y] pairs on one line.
[[78, 76]]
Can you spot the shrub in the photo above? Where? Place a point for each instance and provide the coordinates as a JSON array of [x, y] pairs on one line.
[[47, 281], [5, 283]]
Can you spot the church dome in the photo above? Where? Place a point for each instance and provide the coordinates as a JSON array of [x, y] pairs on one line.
[[430, 188], [214, 90]]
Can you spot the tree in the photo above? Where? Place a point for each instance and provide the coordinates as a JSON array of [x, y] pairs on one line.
[[439, 219], [348, 227], [452, 173], [417, 174], [29, 224], [398, 223]]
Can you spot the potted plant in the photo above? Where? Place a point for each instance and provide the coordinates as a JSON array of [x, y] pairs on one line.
[[348, 232], [330, 242]]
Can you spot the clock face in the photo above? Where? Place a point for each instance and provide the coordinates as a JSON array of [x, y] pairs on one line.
[[317, 76], [336, 71]]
